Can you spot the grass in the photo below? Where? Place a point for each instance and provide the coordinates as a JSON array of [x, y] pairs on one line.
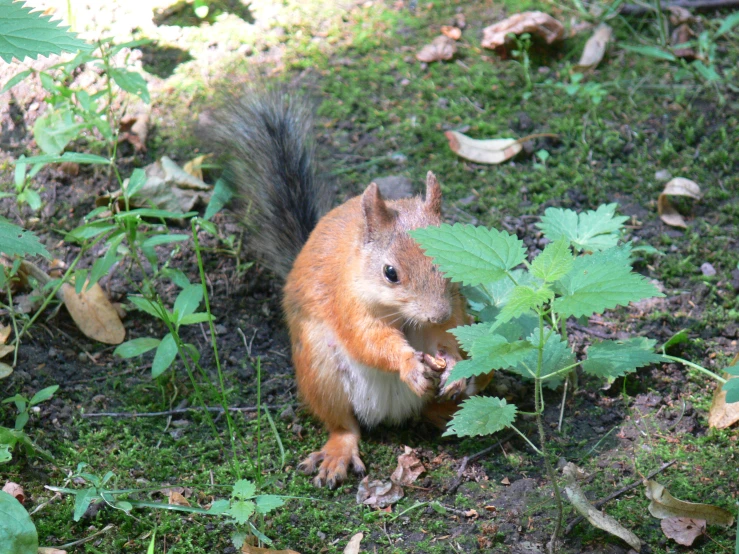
[[382, 113]]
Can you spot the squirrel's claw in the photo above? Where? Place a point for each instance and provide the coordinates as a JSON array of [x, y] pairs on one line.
[[338, 455]]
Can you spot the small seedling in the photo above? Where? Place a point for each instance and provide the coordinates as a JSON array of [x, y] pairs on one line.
[[10, 437]]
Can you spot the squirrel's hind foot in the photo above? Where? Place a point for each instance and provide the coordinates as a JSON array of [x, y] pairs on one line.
[[338, 455]]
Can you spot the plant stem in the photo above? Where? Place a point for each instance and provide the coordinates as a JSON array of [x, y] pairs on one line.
[[696, 367], [661, 23]]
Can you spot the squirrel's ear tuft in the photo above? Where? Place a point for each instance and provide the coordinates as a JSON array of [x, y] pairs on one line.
[[432, 203], [377, 215]]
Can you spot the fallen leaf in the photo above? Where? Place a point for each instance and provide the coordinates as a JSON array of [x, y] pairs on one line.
[[134, 129], [378, 494], [490, 151], [538, 24], [683, 530], [441, 48], [5, 370], [471, 513], [177, 499], [409, 468], [664, 505], [679, 186], [680, 35], [15, 490], [6, 349], [595, 47], [93, 313], [353, 546], [4, 333], [454, 33], [591, 513], [680, 15], [49, 550], [505, 481], [246, 548], [723, 415], [195, 166]]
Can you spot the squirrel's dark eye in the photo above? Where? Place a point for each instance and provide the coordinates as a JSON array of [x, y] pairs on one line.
[[390, 273]]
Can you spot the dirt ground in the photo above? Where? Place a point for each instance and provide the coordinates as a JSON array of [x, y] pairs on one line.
[[478, 494]]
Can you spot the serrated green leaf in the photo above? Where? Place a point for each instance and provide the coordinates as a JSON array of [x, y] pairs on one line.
[[16, 241], [467, 334], [25, 34], [241, 510], [132, 82], [218, 199], [490, 352], [244, 489], [55, 129], [481, 415], [555, 356], [471, 255], [268, 502], [188, 301], [554, 261], [219, 507], [523, 299], [136, 347], [591, 230], [613, 358], [599, 282], [165, 355], [17, 532]]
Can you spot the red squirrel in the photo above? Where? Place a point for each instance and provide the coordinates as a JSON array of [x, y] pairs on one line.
[[368, 312]]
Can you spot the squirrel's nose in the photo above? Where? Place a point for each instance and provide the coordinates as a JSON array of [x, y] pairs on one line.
[[440, 315]]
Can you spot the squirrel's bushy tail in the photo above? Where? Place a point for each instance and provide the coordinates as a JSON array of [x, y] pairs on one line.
[[267, 140]]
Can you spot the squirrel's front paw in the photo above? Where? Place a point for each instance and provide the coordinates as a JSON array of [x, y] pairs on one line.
[[454, 389], [421, 373]]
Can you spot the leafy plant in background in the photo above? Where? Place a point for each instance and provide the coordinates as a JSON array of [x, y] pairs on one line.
[[10, 437], [523, 311]]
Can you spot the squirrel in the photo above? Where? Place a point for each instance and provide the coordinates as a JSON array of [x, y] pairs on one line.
[[368, 312]]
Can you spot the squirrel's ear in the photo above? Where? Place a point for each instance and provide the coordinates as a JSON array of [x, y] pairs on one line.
[[376, 213], [433, 194]]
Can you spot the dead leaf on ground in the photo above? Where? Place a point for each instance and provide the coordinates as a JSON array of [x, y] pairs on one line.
[[177, 499], [680, 35], [15, 490], [93, 313], [723, 415], [378, 494], [352, 546], [6, 349], [490, 151], [5, 331], [249, 549], [5, 370], [195, 166], [537, 24], [134, 129], [680, 15], [591, 513], [409, 468], [683, 530], [679, 186], [595, 47], [441, 48], [50, 550], [664, 505], [454, 33]]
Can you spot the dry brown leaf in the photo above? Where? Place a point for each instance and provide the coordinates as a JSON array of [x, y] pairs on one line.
[[4, 334], [15, 490], [50, 550], [683, 530], [409, 468], [591, 513], [6, 349], [679, 186], [680, 35], [491, 151], [378, 494], [680, 15], [538, 24], [195, 166], [441, 48], [134, 129], [93, 313], [595, 47], [177, 499], [723, 415], [664, 505], [5, 370], [352, 546], [249, 549], [454, 33], [471, 513]]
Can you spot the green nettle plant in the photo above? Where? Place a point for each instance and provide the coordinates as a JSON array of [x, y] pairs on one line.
[[10, 437], [523, 306]]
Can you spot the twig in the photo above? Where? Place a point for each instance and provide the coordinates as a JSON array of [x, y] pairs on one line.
[[467, 459], [88, 539], [702, 5], [180, 411], [618, 493]]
